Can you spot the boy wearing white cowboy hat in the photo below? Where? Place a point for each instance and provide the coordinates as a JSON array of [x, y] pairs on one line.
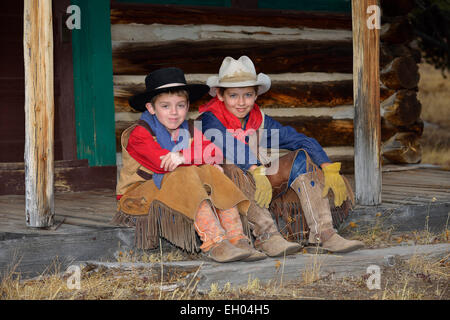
[[305, 169], [157, 172]]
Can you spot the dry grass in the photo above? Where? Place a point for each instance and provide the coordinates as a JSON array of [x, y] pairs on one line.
[[417, 278], [434, 95]]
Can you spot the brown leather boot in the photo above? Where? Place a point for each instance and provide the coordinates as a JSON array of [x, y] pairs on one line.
[[215, 244], [230, 221], [224, 251], [318, 216], [274, 245], [268, 238], [245, 244]]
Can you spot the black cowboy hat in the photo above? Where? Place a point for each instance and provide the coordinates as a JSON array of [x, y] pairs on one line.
[[163, 80]]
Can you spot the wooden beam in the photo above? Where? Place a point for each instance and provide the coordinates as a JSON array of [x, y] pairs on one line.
[[134, 58], [39, 112], [123, 13], [69, 176], [366, 79]]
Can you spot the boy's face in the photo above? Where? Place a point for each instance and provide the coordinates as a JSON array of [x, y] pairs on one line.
[[170, 109], [239, 101]]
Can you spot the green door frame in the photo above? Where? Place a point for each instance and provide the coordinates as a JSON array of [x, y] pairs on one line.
[[93, 84]]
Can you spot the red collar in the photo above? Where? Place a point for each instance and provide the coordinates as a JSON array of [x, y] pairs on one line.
[[229, 120]]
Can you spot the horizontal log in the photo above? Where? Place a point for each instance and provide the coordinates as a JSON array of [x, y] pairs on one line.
[[66, 179], [282, 94], [206, 56], [325, 130], [124, 13], [169, 32], [402, 148], [402, 108], [400, 73], [328, 131], [398, 30], [57, 164]]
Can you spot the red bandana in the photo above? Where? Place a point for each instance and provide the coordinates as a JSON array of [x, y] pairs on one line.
[[229, 120]]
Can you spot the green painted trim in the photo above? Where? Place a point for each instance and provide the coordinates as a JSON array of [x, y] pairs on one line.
[[93, 84], [214, 3], [343, 6]]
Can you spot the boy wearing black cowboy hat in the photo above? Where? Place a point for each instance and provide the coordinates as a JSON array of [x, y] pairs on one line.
[[161, 193]]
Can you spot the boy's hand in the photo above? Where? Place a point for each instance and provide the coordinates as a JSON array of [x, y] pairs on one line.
[[263, 193], [171, 161], [334, 181]]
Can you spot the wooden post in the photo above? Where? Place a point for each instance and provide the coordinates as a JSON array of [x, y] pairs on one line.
[[366, 94], [39, 112]]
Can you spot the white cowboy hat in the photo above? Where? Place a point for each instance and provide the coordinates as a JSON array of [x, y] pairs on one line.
[[238, 73]]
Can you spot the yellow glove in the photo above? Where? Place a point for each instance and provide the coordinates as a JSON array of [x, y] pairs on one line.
[[263, 193], [334, 181]]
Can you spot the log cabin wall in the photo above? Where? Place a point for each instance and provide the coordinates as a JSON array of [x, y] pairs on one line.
[[308, 56]]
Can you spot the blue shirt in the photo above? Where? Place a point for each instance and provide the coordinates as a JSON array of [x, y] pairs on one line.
[[288, 138]]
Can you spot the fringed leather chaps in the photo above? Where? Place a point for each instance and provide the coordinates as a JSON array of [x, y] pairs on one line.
[[170, 212]]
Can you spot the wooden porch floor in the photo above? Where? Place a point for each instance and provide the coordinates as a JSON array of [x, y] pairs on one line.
[[91, 211]]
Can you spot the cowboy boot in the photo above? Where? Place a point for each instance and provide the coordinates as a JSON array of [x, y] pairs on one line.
[[268, 238], [215, 243], [232, 224], [318, 216]]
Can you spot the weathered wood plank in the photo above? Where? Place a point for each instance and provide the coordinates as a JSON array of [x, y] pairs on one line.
[[37, 255], [124, 13], [367, 106], [206, 56], [39, 112], [352, 264], [159, 33]]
